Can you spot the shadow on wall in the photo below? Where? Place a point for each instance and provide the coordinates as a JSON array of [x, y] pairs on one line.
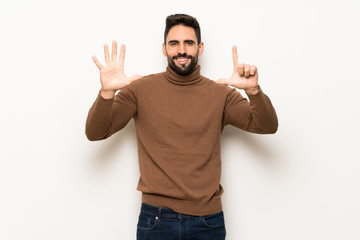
[[265, 148], [121, 143]]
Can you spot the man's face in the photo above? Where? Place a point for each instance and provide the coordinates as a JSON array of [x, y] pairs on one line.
[[182, 49]]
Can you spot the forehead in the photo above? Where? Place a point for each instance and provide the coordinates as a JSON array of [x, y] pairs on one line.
[[181, 33]]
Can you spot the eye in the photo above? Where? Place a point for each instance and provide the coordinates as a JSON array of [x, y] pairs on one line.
[[172, 43], [189, 42]]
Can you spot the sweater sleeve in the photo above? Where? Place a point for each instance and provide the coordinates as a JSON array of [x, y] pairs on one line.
[[257, 116], [107, 116]]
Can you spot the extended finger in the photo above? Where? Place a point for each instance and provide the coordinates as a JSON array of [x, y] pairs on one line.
[[253, 70], [96, 61], [122, 56], [114, 51], [235, 56], [240, 69], [247, 70], [106, 53], [222, 81]]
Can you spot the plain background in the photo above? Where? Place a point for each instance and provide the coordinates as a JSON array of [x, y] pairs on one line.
[[301, 183]]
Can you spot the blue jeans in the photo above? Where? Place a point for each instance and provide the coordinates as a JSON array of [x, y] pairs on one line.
[[157, 223]]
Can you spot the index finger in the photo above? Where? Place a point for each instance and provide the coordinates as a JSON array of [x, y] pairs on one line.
[[106, 53], [235, 56]]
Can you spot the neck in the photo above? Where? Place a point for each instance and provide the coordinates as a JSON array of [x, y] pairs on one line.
[[190, 79]]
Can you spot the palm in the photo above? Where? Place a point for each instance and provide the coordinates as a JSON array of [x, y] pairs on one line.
[[242, 82], [112, 74]]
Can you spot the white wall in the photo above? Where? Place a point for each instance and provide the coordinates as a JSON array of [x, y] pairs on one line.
[[301, 183]]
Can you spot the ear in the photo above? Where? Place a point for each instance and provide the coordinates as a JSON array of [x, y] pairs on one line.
[[164, 49], [201, 48]]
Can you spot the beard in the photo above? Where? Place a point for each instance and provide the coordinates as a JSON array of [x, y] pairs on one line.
[[183, 70]]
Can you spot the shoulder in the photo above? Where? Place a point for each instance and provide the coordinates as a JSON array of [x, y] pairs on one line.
[[221, 88], [226, 92], [146, 80]]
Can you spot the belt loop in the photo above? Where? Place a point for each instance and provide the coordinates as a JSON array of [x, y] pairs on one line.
[[159, 217]]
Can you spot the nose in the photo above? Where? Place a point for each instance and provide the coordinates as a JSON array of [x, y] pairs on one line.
[[182, 48]]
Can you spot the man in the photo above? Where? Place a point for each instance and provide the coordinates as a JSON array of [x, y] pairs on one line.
[[179, 116]]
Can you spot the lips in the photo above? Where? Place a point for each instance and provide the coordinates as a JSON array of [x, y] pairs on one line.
[[181, 60]]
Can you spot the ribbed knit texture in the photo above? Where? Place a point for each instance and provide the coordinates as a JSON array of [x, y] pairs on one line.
[[178, 122]]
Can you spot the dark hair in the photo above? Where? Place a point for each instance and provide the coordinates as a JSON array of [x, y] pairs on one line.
[[185, 20]]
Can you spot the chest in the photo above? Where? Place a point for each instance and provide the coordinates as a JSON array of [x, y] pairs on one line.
[[185, 108]]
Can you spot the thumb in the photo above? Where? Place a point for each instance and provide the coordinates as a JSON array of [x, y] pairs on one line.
[[222, 81], [135, 77]]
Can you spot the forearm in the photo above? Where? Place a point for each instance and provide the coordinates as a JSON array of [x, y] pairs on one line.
[[108, 116], [98, 121], [263, 117], [257, 116]]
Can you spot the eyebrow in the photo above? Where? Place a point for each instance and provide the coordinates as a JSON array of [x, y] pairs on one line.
[[173, 41], [186, 41]]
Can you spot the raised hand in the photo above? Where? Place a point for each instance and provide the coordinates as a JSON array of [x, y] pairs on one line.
[[112, 76], [244, 76]]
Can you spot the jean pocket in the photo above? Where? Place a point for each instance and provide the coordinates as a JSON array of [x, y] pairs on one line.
[[214, 221], [147, 221]]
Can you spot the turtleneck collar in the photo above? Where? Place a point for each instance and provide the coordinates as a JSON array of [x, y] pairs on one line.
[[190, 79]]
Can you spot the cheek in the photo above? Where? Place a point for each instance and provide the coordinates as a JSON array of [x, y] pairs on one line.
[[171, 52], [193, 51]]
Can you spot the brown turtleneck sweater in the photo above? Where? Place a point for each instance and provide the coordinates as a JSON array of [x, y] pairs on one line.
[[178, 122]]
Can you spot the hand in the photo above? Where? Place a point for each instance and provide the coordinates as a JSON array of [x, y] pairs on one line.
[[112, 76], [244, 76]]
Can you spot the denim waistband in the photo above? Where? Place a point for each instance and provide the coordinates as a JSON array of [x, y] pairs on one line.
[[161, 212]]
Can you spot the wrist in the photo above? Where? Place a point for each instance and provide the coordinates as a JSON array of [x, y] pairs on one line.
[[107, 94], [253, 90]]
